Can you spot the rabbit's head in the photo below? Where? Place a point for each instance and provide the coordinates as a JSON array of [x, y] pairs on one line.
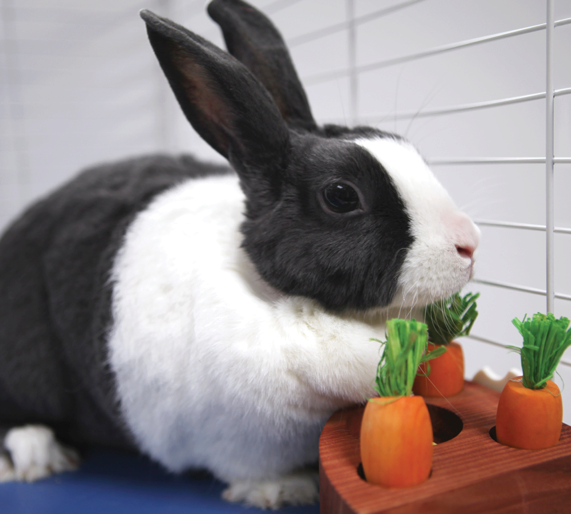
[[350, 217]]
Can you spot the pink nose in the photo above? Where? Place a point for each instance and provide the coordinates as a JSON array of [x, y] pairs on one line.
[[466, 251], [466, 235]]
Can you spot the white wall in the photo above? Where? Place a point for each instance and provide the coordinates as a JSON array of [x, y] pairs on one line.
[[79, 84]]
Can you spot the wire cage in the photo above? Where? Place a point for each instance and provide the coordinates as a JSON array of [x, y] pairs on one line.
[[483, 89]]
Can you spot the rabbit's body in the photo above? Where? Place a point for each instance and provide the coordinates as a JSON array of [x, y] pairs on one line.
[[214, 318]]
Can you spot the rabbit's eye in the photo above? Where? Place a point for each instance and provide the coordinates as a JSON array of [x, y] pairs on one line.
[[341, 198]]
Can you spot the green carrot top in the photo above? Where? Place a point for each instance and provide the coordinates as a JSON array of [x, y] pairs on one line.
[[545, 339], [451, 318], [403, 352]]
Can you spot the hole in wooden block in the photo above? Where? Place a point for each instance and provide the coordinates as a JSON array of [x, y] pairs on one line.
[[446, 424], [360, 472]]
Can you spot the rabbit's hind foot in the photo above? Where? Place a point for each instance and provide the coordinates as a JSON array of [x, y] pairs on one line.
[[33, 454], [299, 488]]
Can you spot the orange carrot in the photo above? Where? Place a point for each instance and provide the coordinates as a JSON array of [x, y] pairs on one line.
[[396, 432], [396, 441], [529, 418], [447, 320], [530, 411], [446, 377]]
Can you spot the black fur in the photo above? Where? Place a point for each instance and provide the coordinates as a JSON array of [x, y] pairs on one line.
[[226, 105], [55, 301], [344, 262], [252, 38]]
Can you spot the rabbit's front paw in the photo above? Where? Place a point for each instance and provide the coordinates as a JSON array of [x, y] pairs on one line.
[[299, 488], [34, 454]]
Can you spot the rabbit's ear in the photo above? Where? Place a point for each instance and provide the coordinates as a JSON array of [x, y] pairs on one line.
[[253, 39], [222, 100]]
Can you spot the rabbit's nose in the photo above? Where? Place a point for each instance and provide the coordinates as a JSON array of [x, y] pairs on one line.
[[466, 236], [466, 251]]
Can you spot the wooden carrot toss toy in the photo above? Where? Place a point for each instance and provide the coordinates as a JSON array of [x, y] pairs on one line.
[[396, 432], [447, 320], [530, 410], [471, 471]]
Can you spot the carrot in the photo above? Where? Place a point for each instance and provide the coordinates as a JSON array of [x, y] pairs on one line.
[[446, 320], [396, 433], [529, 418], [396, 441], [444, 376], [530, 411]]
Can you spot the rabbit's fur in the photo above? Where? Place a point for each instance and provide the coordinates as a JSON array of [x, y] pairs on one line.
[[213, 317]]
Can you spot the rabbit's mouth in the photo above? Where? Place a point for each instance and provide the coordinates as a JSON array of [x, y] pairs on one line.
[[440, 262], [432, 275]]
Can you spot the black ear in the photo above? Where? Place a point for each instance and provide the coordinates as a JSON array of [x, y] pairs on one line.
[[253, 39], [223, 101]]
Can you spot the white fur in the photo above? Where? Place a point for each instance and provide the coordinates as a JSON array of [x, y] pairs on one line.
[[34, 454], [216, 369], [294, 489], [433, 268], [213, 367]]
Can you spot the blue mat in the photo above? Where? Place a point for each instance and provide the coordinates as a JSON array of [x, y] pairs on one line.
[[112, 482]]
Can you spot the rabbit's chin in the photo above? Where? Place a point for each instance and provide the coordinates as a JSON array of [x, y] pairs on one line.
[[426, 280]]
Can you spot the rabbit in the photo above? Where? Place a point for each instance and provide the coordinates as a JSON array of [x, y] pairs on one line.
[[214, 317]]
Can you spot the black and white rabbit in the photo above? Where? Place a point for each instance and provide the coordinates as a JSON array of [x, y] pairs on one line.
[[213, 317]]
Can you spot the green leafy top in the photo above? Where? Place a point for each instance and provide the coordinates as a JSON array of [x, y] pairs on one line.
[[451, 318], [403, 352], [545, 339]]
